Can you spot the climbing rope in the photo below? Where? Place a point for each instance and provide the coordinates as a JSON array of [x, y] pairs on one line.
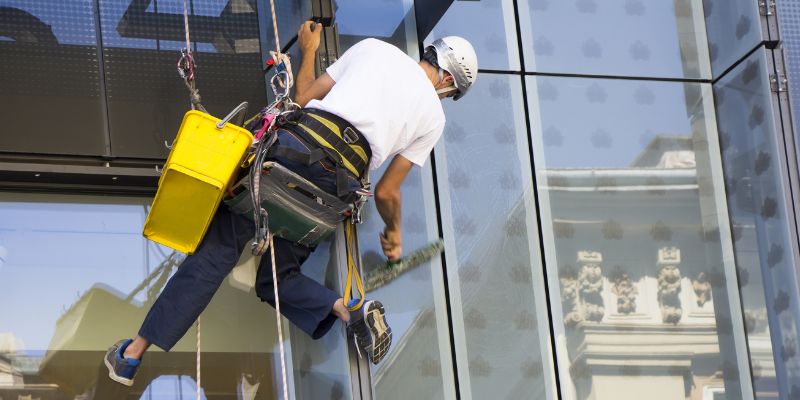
[[186, 65], [278, 58], [198, 363], [186, 68], [278, 318]]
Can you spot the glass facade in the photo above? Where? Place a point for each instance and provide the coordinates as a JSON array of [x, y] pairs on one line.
[[615, 195], [644, 259]]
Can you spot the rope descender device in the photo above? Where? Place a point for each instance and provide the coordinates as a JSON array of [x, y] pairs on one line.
[[186, 65]]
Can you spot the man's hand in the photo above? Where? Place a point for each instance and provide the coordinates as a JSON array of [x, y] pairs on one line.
[[309, 40], [391, 241]]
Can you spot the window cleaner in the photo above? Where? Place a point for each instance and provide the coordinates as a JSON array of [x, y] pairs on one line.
[[308, 170]]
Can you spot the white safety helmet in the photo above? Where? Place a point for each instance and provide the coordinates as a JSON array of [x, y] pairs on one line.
[[455, 55]]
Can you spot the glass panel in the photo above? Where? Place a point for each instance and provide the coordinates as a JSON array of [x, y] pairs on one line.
[[319, 368], [389, 20], [662, 38], [760, 215], [642, 280], [489, 26], [81, 266], [419, 364], [146, 98], [734, 28], [789, 19], [49, 68], [494, 266]]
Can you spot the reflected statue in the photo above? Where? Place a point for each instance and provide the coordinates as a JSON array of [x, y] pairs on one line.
[[626, 292], [702, 288], [590, 280], [669, 284]]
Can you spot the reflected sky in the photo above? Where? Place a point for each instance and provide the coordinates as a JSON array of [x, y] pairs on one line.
[[57, 251], [370, 17], [73, 23], [604, 123]]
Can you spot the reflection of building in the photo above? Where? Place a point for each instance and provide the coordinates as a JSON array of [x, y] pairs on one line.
[[639, 313], [9, 375], [103, 315]]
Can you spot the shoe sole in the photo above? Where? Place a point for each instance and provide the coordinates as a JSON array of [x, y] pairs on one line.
[[381, 332], [114, 377]]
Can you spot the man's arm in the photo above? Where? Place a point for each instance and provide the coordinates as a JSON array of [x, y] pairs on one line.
[[387, 200], [308, 88]]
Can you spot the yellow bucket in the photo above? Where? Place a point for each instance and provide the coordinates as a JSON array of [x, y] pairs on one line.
[[203, 161]]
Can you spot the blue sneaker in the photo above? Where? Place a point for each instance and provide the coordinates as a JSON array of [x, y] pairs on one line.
[[372, 334], [121, 369]]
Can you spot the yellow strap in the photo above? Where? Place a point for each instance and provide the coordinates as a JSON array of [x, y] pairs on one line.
[[325, 143], [352, 271], [335, 129]]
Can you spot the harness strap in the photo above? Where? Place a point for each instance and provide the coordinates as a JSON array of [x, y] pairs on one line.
[[334, 133]]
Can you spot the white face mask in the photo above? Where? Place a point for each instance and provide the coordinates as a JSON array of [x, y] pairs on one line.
[[444, 89]]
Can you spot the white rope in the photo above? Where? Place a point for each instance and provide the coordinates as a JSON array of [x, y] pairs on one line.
[[199, 384], [271, 242], [278, 318], [186, 24], [275, 27]]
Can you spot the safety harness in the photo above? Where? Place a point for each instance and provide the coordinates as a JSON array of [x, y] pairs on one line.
[[328, 136]]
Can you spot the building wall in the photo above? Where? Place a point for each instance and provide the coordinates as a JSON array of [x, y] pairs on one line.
[[609, 194], [614, 195]]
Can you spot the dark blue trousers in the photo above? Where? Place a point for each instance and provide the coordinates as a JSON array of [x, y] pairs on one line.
[[304, 301]]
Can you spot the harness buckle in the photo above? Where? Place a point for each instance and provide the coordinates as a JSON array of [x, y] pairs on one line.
[[349, 136]]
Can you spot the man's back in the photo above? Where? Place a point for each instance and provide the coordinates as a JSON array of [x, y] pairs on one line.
[[387, 96]]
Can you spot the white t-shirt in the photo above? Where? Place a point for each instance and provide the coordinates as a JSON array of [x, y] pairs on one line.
[[386, 95]]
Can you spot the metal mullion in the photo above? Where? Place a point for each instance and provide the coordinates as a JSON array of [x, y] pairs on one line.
[[534, 183], [787, 141], [360, 375], [789, 179], [102, 72], [440, 231]]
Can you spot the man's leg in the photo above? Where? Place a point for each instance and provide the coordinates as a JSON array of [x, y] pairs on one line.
[[190, 290], [309, 305], [186, 294]]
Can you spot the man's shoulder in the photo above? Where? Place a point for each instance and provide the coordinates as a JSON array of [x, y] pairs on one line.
[[377, 46]]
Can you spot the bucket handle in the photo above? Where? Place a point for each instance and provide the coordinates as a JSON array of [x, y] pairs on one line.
[[241, 109]]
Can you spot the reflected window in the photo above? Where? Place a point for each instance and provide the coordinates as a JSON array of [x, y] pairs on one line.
[[488, 25], [390, 20], [50, 65], [642, 282], [142, 39], [661, 38], [734, 29]]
